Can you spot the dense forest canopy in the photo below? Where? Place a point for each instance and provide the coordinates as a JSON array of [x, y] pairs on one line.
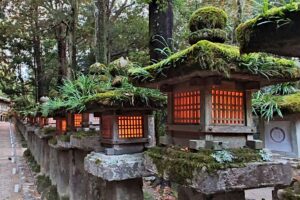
[[44, 42]]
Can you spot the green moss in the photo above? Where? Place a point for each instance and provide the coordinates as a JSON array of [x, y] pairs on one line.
[[43, 182], [51, 193], [220, 58], [97, 162], [275, 15], [180, 165], [208, 17], [289, 103], [49, 130], [97, 69], [53, 141], [64, 138], [84, 134], [34, 166], [215, 35], [290, 194]]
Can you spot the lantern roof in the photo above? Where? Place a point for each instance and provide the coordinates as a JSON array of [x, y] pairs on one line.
[[209, 59], [276, 31], [106, 88]]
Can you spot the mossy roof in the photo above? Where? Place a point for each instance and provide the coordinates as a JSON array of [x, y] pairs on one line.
[[289, 103], [113, 92], [218, 59], [275, 31]]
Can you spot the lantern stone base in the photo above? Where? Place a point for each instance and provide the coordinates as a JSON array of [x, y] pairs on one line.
[[124, 149], [121, 174], [207, 144], [255, 144]]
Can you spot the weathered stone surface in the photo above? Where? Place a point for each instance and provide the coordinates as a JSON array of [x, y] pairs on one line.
[[206, 144], [151, 132], [255, 144], [90, 143], [253, 175], [115, 167], [63, 145], [165, 140]]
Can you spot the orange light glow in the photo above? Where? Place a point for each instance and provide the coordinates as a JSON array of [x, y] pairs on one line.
[[227, 107], [63, 125], [187, 107], [130, 127], [77, 120]]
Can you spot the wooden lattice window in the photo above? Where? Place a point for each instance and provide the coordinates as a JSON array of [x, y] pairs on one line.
[[77, 120], [227, 107], [107, 127], [130, 127], [186, 108]]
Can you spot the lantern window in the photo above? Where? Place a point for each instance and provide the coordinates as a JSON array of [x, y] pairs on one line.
[[227, 107], [64, 125], [187, 107], [130, 127], [77, 120]]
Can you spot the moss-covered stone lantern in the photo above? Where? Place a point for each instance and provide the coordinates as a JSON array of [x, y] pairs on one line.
[[125, 111], [209, 86]]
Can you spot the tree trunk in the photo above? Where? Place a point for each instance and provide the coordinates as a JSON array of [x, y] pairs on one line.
[[160, 27], [62, 52], [40, 76], [101, 31], [73, 29]]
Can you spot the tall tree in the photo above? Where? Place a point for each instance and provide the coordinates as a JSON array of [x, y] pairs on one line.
[[101, 31], [160, 27]]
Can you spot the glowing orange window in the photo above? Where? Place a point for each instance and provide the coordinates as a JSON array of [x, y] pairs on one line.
[[107, 127], [130, 127], [227, 107], [63, 125], [187, 107], [77, 120]]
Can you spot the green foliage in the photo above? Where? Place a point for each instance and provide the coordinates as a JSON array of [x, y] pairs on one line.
[[51, 193], [208, 17], [53, 141], [265, 105], [181, 165]]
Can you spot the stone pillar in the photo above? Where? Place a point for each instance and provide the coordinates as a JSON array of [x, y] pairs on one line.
[[121, 175]]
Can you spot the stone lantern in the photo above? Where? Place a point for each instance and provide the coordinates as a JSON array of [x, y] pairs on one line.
[[209, 87], [125, 132]]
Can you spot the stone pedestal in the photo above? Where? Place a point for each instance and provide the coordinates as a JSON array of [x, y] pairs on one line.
[[121, 175]]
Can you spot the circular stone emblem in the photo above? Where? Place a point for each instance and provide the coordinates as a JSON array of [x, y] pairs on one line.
[[277, 134]]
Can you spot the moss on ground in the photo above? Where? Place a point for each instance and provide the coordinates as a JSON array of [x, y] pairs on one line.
[[208, 17], [51, 193], [275, 15], [180, 165]]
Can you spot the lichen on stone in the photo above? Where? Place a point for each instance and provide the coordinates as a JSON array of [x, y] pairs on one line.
[[84, 134]]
